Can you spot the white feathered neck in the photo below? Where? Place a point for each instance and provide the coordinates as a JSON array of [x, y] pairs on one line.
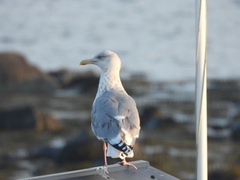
[[109, 80]]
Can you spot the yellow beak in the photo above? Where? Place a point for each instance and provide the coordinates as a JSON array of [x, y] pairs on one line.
[[86, 61]]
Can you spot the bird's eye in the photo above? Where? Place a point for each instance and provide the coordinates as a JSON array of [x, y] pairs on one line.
[[100, 57]]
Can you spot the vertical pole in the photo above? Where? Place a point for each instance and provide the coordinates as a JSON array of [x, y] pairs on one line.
[[201, 90]]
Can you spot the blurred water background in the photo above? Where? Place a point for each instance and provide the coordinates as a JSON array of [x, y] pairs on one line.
[[154, 37], [46, 97]]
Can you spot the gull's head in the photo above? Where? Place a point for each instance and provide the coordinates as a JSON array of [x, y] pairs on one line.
[[105, 60]]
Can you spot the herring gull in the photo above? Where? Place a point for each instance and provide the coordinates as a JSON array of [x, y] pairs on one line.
[[114, 117]]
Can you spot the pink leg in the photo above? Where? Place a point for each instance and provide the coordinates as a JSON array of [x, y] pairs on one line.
[[125, 163], [105, 153]]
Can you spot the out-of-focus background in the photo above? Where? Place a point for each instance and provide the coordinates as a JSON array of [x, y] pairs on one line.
[[46, 97]]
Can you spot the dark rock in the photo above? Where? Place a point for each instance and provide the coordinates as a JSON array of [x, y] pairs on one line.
[[224, 90], [4, 161], [137, 85], [235, 130], [150, 112], [160, 123], [45, 152], [218, 128], [16, 75], [222, 175], [18, 118], [84, 146], [151, 117], [26, 117], [81, 83], [14, 67]]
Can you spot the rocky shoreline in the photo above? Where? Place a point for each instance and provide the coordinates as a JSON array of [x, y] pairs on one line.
[[45, 122]]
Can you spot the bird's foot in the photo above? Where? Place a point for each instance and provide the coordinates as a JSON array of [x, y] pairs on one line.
[[125, 163]]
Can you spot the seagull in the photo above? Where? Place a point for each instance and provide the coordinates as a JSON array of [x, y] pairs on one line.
[[114, 116]]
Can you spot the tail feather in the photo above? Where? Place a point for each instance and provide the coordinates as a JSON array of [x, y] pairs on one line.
[[122, 146], [122, 150]]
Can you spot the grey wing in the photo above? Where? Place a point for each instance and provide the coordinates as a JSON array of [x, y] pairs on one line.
[[114, 114]]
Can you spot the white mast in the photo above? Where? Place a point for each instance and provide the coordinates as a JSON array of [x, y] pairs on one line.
[[201, 90]]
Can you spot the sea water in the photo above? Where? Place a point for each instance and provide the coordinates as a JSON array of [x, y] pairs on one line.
[[156, 38]]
